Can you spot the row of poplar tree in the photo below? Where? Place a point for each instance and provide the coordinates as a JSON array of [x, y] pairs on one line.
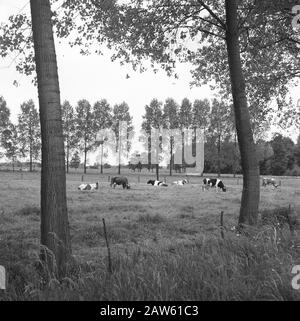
[[81, 124], [277, 156], [80, 127]]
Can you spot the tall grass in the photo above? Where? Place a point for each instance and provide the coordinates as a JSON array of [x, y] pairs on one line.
[[256, 267], [165, 244]]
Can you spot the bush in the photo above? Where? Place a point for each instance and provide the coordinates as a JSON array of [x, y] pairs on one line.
[[106, 165]]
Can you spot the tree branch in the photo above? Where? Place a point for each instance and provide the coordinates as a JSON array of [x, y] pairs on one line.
[[222, 23]]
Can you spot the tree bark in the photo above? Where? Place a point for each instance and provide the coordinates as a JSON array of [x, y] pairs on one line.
[[30, 156], [55, 233], [149, 153], [235, 156], [219, 155], [171, 155], [119, 166], [101, 170], [251, 189], [68, 156]]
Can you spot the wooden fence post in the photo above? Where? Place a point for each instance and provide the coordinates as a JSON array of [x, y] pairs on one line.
[[108, 248], [222, 225], [289, 219]]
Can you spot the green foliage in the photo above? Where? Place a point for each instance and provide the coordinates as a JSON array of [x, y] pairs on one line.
[[201, 109], [85, 125], [8, 132], [153, 117], [185, 114], [171, 118], [121, 114], [297, 151], [29, 130], [102, 115], [4, 114], [69, 125], [283, 157], [69, 129], [10, 142], [75, 161], [264, 153], [170, 31]]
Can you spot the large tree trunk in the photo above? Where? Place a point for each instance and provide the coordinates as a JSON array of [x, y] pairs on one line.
[[149, 153], [250, 195], [30, 157], [101, 171], [235, 156], [84, 152], [68, 156], [219, 155], [55, 233], [171, 155], [119, 166]]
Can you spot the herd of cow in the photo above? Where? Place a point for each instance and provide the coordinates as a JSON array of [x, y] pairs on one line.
[[207, 183]]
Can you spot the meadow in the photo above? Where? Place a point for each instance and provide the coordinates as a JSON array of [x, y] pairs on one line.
[[165, 243]]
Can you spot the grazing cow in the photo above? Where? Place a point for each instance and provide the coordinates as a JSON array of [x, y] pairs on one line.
[[213, 182], [181, 182], [206, 185], [88, 187], [270, 181], [206, 181], [157, 183], [120, 180]]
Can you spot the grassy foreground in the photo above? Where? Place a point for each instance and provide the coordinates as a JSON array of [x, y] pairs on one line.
[[165, 243]]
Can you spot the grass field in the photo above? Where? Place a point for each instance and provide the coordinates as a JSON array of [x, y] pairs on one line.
[[165, 242]]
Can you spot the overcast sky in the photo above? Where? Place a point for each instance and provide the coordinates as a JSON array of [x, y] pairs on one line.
[[95, 77]]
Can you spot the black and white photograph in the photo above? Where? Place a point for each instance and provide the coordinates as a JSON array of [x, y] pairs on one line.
[[149, 154]]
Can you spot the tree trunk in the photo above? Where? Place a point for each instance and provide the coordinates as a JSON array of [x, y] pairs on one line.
[[149, 152], [84, 165], [119, 166], [101, 170], [251, 192], [171, 155], [219, 155], [235, 157], [30, 157], [55, 233], [68, 156], [157, 172]]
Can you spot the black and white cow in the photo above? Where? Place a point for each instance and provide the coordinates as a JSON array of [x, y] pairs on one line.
[[181, 182], [213, 182], [270, 181], [157, 183], [88, 187], [119, 180], [206, 181]]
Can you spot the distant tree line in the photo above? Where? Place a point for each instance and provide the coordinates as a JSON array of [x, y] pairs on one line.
[[279, 156], [24, 138], [80, 127]]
